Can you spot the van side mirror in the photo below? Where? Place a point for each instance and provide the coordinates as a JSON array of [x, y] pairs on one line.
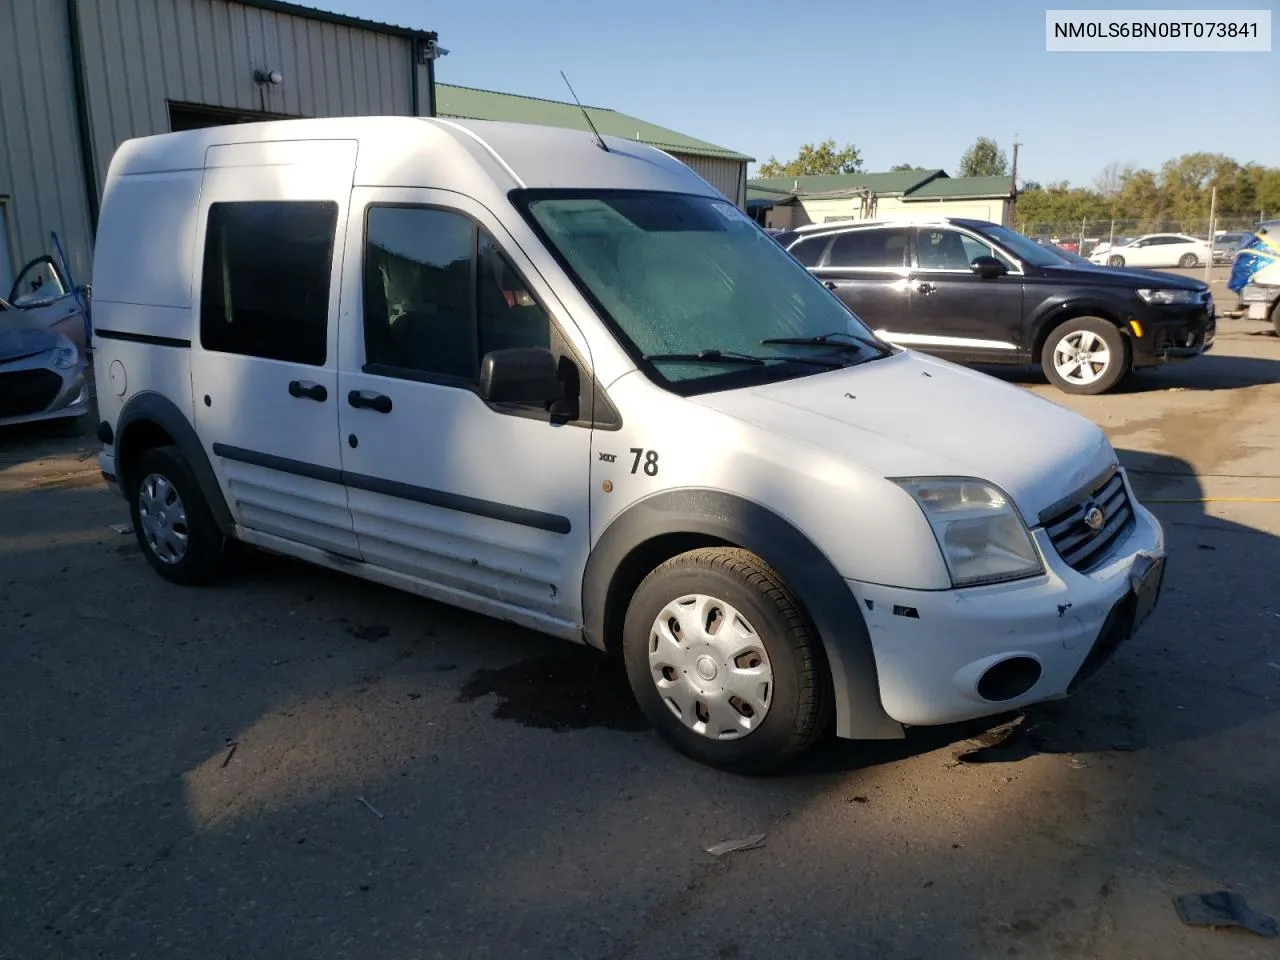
[[520, 375], [988, 267]]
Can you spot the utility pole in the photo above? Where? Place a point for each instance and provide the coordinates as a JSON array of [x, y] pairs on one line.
[[1013, 199], [1213, 209]]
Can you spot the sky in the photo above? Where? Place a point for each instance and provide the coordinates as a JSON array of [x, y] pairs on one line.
[[907, 81]]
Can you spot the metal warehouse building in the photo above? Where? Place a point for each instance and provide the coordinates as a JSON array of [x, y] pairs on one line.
[[78, 77]]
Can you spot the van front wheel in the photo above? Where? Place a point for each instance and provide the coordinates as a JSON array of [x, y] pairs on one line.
[[171, 519], [724, 663]]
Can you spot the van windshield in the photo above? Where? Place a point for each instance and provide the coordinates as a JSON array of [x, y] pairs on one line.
[[687, 278]]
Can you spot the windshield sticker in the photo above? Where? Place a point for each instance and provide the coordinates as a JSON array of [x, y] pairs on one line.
[[730, 212]]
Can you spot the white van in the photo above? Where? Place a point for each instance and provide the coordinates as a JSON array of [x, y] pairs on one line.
[[563, 382]]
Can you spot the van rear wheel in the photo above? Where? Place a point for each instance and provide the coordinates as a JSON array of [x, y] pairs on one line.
[[1085, 355], [172, 520], [724, 663]]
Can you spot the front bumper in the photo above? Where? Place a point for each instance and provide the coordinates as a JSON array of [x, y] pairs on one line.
[[43, 392], [1172, 334], [933, 648]]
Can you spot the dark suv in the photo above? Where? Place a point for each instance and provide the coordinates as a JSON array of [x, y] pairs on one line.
[[977, 292]]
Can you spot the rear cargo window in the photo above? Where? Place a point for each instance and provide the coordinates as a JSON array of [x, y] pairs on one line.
[[265, 291]]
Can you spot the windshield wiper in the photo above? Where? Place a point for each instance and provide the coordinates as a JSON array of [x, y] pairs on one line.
[[704, 356], [824, 340], [730, 356]]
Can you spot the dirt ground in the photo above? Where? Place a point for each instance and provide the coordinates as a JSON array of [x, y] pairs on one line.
[[296, 764]]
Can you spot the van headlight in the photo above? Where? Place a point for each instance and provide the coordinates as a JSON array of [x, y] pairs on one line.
[[980, 531]]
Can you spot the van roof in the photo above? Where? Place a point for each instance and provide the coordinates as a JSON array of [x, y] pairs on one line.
[[415, 151]]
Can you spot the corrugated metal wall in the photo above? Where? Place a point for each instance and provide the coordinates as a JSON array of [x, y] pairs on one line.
[[140, 54], [41, 183], [727, 176]]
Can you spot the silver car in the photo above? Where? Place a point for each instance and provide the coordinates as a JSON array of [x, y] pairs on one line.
[[43, 363]]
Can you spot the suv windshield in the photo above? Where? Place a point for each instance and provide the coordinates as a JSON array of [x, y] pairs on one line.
[[1024, 248], [681, 276]]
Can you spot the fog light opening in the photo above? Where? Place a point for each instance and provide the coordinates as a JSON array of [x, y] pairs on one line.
[[1009, 679]]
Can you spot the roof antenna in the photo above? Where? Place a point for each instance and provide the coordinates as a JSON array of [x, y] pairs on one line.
[[599, 139]]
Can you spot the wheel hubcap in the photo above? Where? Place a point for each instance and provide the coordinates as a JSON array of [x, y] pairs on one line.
[[710, 667], [1081, 357], [162, 518]]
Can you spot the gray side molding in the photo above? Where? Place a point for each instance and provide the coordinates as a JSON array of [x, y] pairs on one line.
[[156, 408], [810, 575]]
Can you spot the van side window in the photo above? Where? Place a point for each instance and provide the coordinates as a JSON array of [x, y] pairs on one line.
[[265, 286], [439, 294]]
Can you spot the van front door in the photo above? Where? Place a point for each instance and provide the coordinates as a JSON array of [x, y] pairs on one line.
[[264, 373], [487, 503]]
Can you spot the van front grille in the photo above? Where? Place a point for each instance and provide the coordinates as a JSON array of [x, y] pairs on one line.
[[24, 392], [1082, 532]]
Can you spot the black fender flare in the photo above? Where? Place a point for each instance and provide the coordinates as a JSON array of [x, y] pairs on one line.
[[151, 407], [808, 572]]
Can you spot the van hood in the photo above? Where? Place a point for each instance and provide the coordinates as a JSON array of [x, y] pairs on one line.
[[914, 415]]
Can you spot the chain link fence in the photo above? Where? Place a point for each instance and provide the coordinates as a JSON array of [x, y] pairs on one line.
[[1085, 235]]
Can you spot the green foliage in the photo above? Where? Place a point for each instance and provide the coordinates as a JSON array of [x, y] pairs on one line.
[[984, 159], [823, 158], [1179, 192], [898, 167]]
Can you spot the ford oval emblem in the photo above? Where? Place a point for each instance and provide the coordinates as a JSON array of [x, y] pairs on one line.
[[1094, 518]]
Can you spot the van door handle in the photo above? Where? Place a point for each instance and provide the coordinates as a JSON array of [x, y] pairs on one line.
[[305, 388], [926, 288], [367, 400]]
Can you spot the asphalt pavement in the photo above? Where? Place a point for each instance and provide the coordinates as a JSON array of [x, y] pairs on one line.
[[296, 764]]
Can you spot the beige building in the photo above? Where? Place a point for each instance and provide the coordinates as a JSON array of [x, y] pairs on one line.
[[78, 77], [787, 202]]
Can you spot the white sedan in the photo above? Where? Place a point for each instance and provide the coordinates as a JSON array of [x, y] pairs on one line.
[[1155, 250]]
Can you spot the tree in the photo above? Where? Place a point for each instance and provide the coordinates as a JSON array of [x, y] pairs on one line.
[[823, 158], [984, 159], [897, 167], [1111, 178], [1031, 185], [1141, 198]]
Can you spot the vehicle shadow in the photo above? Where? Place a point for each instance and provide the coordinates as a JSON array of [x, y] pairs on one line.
[[1208, 372], [1202, 664]]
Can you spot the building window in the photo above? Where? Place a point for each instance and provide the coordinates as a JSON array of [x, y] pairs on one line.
[[439, 294], [265, 286]]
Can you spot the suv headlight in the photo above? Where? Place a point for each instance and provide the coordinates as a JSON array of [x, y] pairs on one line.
[[1169, 296], [980, 531]]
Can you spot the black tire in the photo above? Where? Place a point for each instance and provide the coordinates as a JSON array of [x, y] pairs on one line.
[[801, 698], [1275, 317], [202, 559], [1188, 260], [1115, 261], [1117, 346]]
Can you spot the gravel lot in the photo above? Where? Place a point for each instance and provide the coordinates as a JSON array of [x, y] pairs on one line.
[[183, 767]]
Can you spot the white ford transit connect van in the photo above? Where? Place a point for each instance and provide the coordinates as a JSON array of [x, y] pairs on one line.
[[561, 381]]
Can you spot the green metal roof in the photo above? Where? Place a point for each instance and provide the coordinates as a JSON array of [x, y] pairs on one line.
[[469, 103], [963, 188], [882, 184]]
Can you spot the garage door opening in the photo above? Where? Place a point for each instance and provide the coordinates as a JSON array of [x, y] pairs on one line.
[[196, 116]]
